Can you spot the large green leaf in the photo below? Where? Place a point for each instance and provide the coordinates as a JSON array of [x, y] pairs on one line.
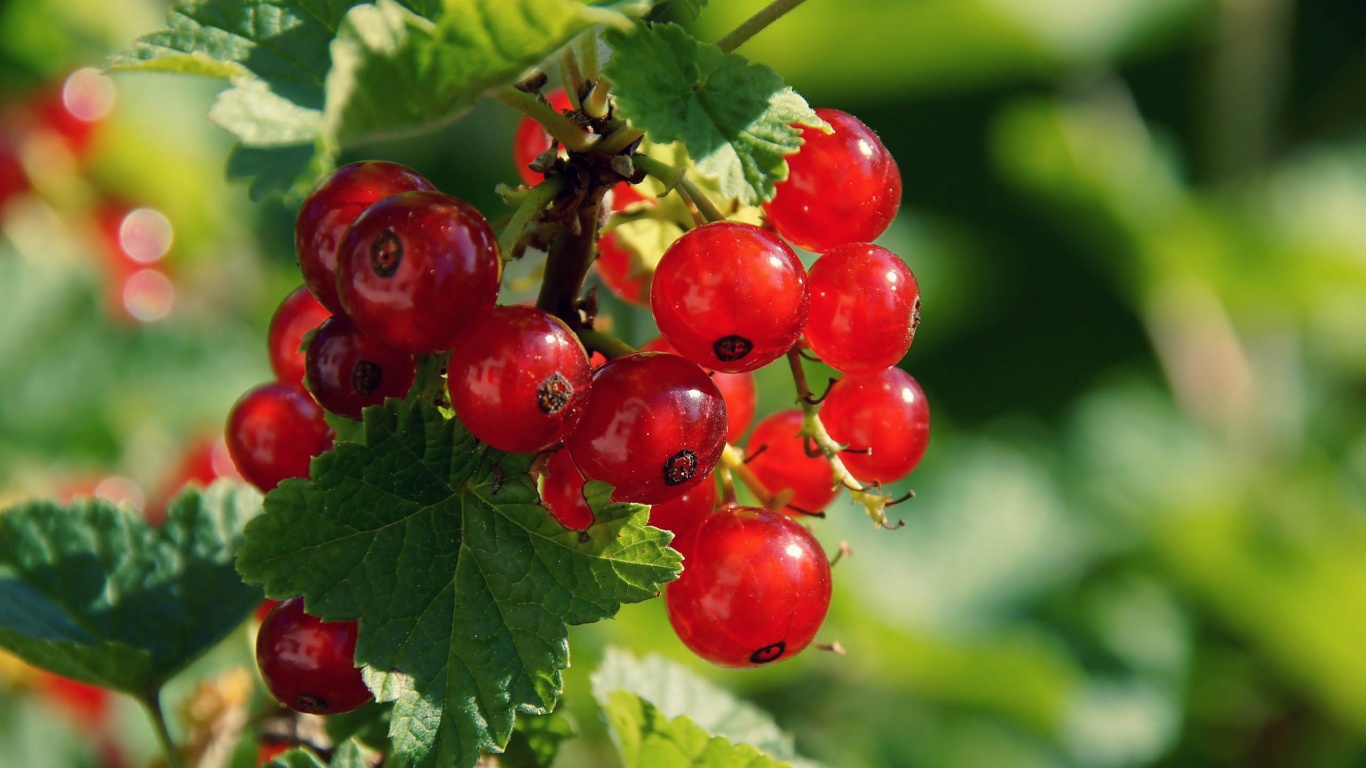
[[349, 754], [463, 584], [94, 593], [737, 118], [663, 715]]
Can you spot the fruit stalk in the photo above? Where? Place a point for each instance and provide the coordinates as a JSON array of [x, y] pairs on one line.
[[152, 703], [571, 254], [756, 24]]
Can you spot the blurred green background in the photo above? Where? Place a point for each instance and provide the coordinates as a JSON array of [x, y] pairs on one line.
[[1139, 536]]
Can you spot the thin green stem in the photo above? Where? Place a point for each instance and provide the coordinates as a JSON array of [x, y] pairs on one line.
[[152, 703], [572, 76], [677, 178], [756, 24], [532, 205], [619, 139], [572, 135], [606, 344]]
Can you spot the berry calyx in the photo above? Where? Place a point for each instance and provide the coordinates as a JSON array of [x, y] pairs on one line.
[[519, 379], [865, 306], [531, 139], [332, 207], [298, 314], [273, 433], [884, 420], [755, 588], [841, 187], [309, 664], [777, 456], [416, 269], [348, 371], [654, 427], [730, 296]]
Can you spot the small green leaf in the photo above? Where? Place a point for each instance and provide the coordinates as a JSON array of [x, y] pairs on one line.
[[462, 582], [536, 740], [737, 118], [661, 713], [349, 754], [92, 592]]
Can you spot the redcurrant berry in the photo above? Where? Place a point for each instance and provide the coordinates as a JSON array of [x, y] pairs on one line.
[[519, 379], [654, 427], [883, 418], [778, 457], [531, 140], [755, 588], [309, 664], [682, 515], [348, 371], [562, 492], [298, 314], [737, 389], [730, 296], [865, 306], [415, 269], [331, 208], [273, 433], [615, 267], [842, 187]]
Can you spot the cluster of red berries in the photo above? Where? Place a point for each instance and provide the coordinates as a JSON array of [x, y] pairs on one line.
[[395, 270]]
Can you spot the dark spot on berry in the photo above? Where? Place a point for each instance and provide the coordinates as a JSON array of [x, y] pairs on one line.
[[680, 467], [553, 394], [366, 377], [310, 704], [728, 349], [768, 653], [915, 315], [386, 253]]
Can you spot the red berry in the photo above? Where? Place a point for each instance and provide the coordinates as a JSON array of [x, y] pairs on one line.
[[416, 269], [269, 750], [755, 588], [298, 314], [88, 706], [331, 208], [264, 608], [348, 371], [654, 427], [883, 418], [273, 433], [519, 379], [205, 461], [730, 296], [531, 140], [737, 389], [562, 492], [865, 306], [616, 267], [777, 456], [309, 664], [842, 187], [683, 515]]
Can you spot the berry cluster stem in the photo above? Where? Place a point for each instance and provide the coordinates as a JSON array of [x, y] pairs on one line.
[[571, 254], [677, 179], [756, 24], [531, 206], [870, 497], [573, 136], [733, 461]]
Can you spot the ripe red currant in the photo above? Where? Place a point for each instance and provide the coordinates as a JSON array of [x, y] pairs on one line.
[[531, 140], [737, 389], [842, 187], [309, 664], [348, 371], [298, 314], [682, 516], [865, 306], [619, 274], [519, 379], [778, 457], [755, 588], [331, 208], [654, 427], [730, 296], [273, 433], [883, 418], [562, 492], [415, 269]]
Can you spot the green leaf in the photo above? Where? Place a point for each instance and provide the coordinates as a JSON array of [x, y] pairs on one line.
[[536, 740], [349, 754], [93, 593], [660, 713], [736, 118], [463, 584], [312, 76]]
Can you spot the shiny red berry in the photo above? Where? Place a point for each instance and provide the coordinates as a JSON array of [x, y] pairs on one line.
[[348, 371], [842, 187], [865, 306], [682, 516], [884, 419], [309, 664], [273, 433], [755, 588], [737, 389], [778, 457], [332, 207], [562, 492], [416, 269], [298, 314]]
